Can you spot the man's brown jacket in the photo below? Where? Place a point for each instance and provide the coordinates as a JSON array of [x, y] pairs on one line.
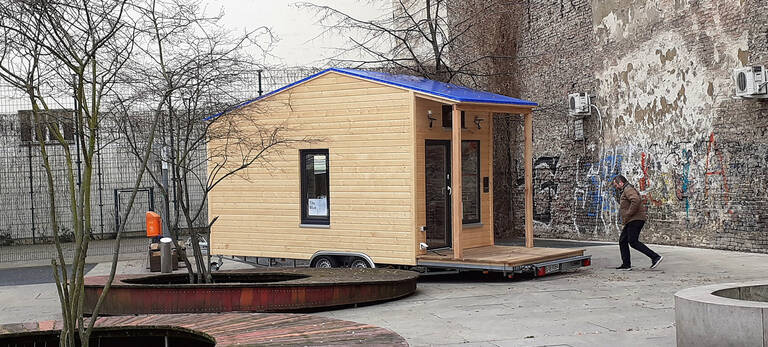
[[631, 205]]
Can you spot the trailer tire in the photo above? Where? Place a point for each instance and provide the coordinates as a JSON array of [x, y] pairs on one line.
[[325, 262], [359, 263]]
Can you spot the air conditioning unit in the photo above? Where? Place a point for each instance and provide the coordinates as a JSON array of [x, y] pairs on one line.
[[751, 82], [579, 104]]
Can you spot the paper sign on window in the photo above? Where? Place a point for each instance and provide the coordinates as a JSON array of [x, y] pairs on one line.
[[318, 207]]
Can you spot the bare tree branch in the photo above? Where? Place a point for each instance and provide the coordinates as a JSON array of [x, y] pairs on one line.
[[421, 37]]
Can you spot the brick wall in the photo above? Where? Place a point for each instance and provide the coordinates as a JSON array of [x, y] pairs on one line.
[[660, 74]]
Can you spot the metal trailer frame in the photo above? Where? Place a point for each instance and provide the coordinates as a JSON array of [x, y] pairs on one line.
[[551, 266], [441, 268]]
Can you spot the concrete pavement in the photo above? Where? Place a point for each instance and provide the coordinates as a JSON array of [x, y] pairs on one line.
[[596, 306]]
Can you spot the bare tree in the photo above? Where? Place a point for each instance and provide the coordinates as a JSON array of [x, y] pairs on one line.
[[47, 41], [419, 37], [195, 68]]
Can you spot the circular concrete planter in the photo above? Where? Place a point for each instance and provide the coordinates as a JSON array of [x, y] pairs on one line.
[[729, 314]]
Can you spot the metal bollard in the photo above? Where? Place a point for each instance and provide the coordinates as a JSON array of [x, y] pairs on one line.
[[165, 255]]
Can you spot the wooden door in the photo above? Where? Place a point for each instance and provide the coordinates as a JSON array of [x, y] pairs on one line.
[[437, 161]]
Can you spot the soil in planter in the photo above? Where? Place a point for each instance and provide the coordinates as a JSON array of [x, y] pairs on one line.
[[218, 278]]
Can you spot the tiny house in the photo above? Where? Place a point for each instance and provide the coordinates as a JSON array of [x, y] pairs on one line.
[[399, 171]]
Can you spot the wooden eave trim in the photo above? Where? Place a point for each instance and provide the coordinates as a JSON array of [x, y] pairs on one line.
[[435, 98], [496, 108]]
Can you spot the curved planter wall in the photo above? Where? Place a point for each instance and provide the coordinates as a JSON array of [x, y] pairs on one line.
[[263, 290], [730, 314]]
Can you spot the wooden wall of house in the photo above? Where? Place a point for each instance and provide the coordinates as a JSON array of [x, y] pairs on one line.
[[367, 129], [474, 235]]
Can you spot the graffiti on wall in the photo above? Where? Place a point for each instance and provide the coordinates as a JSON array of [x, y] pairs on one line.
[[665, 180], [666, 176], [662, 173], [683, 192], [594, 197], [715, 166], [545, 188]]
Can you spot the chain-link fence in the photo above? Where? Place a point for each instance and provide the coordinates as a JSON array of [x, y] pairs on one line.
[[25, 214]]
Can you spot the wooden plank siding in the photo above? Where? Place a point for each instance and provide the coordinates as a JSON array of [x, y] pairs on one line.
[[367, 129], [471, 235]]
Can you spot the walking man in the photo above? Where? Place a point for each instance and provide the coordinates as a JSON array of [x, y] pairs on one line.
[[633, 216]]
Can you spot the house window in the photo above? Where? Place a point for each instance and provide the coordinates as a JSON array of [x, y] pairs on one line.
[[470, 181], [315, 197], [448, 116], [60, 119]]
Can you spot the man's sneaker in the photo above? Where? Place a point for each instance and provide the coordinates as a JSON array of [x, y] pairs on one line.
[[624, 268], [656, 262]]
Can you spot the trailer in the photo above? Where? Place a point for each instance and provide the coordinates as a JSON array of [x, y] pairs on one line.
[[394, 170]]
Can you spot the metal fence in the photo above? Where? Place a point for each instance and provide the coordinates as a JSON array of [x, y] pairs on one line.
[[24, 198]]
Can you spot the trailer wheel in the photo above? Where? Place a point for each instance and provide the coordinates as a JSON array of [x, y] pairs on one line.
[[324, 262], [359, 263]]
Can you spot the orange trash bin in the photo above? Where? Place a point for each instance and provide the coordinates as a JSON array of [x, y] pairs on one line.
[[154, 224]]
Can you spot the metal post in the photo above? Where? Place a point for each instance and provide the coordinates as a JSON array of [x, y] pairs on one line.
[[164, 182], [165, 255], [172, 166], [151, 198], [101, 187], [31, 191], [260, 91], [117, 212]]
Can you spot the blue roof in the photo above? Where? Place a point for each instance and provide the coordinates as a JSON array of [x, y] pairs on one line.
[[418, 84], [441, 89]]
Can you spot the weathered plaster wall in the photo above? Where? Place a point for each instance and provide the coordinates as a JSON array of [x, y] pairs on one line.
[[660, 74]]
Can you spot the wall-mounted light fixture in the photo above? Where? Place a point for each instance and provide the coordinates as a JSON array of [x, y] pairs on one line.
[[478, 120], [429, 116]]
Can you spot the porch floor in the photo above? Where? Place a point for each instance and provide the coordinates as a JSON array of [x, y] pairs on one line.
[[500, 255]]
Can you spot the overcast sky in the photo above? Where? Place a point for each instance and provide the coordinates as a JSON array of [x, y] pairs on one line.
[[296, 27]]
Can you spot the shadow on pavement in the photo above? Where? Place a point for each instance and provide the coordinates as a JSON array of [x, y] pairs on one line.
[[32, 275]]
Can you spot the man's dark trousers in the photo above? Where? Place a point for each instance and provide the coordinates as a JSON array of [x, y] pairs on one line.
[[629, 237]]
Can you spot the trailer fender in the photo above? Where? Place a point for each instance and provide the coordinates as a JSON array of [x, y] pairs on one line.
[[343, 254]]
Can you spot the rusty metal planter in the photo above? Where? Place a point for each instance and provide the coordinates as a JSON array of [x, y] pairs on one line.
[[226, 329], [287, 290]]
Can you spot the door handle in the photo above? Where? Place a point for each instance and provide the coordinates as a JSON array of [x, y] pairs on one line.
[[449, 190]]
